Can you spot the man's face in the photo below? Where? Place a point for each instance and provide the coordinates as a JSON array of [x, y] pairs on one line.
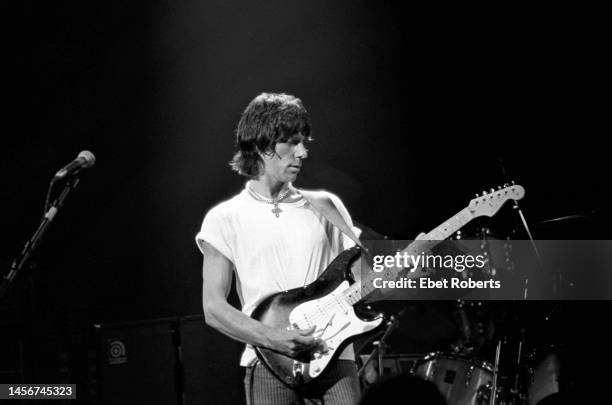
[[285, 164]]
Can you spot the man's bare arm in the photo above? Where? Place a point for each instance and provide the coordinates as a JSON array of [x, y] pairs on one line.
[[219, 314]]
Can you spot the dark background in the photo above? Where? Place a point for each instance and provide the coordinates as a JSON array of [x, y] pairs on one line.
[[414, 109]]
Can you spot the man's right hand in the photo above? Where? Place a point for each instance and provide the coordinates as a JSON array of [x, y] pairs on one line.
[[294, 341]]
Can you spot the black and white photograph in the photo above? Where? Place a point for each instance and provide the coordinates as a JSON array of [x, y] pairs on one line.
[[323, 202]]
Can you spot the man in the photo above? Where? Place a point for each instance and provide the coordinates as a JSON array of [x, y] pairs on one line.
[[275, 241]]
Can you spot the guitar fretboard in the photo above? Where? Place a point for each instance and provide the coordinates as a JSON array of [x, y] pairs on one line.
[[360, 290]]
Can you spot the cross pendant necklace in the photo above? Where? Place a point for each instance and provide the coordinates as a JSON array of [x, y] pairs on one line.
[[274, 201], [276, 211]]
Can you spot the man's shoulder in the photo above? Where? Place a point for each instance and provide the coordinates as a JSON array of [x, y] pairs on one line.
[[319, 193], [322, 195], [228, 206]]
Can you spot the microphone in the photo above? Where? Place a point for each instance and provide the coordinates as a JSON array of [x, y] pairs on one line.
[[84, 160]]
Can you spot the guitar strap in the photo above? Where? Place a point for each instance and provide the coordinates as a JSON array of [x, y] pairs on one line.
[[326, 207]]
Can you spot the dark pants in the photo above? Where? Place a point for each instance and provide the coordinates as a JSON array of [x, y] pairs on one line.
[[339, 386]]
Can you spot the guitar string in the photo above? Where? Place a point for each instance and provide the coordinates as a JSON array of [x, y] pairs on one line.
[[321, 314], [322, 310], [316, 316]]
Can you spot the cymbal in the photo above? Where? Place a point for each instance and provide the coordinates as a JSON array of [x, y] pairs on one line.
[[565, 218]]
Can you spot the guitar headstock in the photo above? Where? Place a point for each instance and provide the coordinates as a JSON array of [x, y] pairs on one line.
[[489, 203]]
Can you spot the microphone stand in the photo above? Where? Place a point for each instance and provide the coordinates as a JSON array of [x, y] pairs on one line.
[[31, 245], [380, 346], [179, 370]]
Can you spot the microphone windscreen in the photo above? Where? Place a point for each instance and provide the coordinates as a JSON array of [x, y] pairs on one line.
[[88, 157]]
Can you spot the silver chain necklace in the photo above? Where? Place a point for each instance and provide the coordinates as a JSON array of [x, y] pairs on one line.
[[276, 210]]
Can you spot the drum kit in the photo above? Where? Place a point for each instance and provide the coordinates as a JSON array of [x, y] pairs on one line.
[[490, 362], [468, 380], [466, 377]]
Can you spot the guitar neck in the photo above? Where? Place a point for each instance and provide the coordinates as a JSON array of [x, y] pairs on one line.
[[451, 226], [359, 290]]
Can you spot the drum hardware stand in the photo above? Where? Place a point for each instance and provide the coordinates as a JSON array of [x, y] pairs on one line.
[[519, 360], [31, 245], [533, 245], [380, 346], [493, 395], [516, 390], [525, 225], [465, 329]]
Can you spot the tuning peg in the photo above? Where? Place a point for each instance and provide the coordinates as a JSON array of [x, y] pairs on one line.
[[477, 195], [506, 185], [499, 187], [492, 190], [484, 193], [512, 182]]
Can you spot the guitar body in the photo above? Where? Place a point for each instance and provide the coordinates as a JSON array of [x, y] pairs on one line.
[[318, 304]]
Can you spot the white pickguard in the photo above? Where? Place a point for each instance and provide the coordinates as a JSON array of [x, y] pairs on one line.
[[335, 321]]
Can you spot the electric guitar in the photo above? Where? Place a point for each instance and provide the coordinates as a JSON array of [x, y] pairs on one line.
[[328, 303]]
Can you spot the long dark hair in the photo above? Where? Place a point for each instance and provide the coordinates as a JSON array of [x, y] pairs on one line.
[[268, 119]]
